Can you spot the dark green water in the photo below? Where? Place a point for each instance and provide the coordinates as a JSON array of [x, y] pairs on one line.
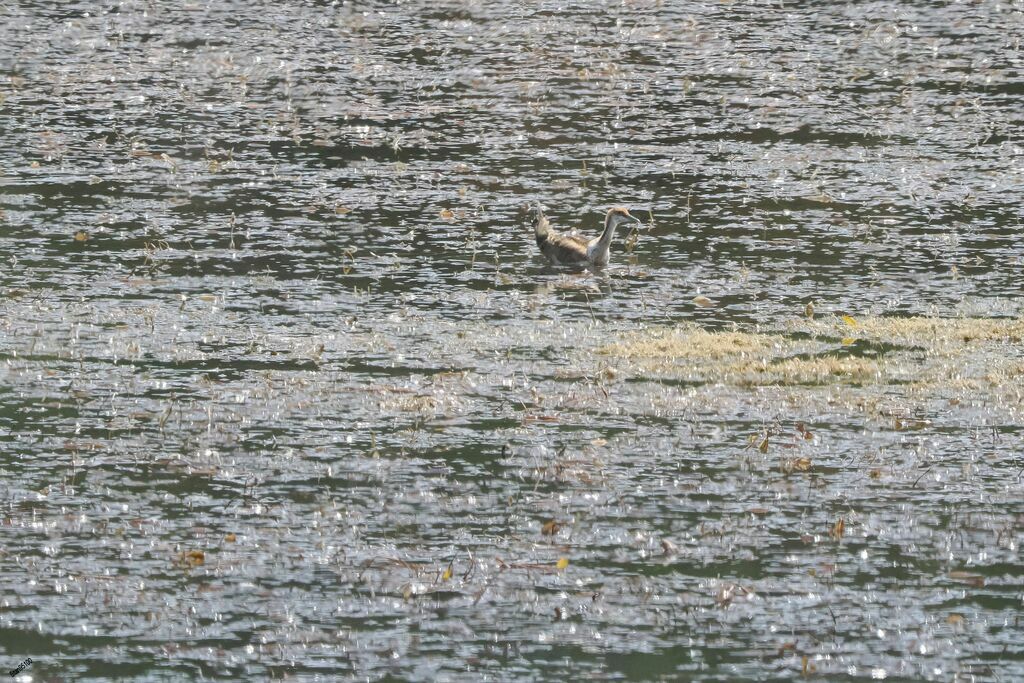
[[249, 422]]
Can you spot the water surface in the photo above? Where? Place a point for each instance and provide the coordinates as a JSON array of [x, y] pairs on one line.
[[287, 392]]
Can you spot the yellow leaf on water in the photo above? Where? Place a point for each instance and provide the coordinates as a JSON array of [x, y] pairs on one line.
[[562, 563], [847, 341], [447, 214], [341, 210], [838, 529], [81, 236], [230, 538], [447, 576], [192, 558], [850, 321]]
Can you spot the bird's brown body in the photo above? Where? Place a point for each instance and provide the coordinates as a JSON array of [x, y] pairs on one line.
[[571, 249]]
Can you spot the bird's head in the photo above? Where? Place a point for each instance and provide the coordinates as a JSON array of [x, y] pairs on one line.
[[535, 216], [621, 216]]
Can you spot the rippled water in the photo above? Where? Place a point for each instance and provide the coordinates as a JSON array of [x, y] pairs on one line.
[[287, 391]]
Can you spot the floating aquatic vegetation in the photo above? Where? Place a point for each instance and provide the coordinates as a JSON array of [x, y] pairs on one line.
[[924, 353], [692, 342]]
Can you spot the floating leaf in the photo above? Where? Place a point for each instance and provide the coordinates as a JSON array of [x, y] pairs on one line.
[[976, 580], [848, 341], [703, 301], [192, 558], [81, 236], [850, 321], [955, 620], [838, 529], [550, 528], [806, 667], [763, 446], [562, 563], [809, 310], [447, 214], [795, 465], [230, 538], [341, 210], [447, 575]]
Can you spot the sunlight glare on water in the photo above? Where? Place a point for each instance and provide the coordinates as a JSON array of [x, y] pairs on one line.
[[287, 391]]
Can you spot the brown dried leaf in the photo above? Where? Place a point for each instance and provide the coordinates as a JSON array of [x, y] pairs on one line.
[[191, 558], [976, 580], [703, 301], [550, 528]]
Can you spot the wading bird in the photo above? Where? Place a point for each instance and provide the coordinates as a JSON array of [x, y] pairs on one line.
[[572, 249]]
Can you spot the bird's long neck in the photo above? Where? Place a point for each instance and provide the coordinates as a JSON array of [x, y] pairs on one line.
[[541, 227], [610, 223]]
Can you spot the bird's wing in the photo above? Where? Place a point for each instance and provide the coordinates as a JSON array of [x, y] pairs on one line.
[[564, 248]]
